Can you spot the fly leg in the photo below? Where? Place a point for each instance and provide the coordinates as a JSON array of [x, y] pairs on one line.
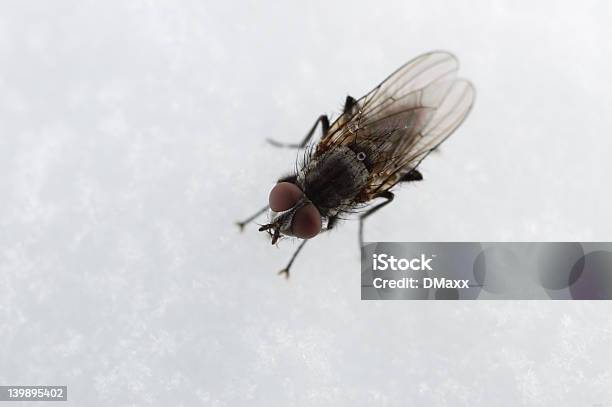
[[241, 225], [389, 197], [349, 106], [285, 271], [324, 127], [349, 109], [250, 218], [413, 175], [331, 222]]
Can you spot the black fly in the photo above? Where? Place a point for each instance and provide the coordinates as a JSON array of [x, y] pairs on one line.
[[377, 142]]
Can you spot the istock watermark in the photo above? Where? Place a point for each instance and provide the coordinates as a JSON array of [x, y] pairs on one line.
[[487, 270], [386, 262]]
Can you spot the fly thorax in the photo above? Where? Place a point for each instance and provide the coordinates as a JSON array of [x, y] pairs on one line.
[[333, 179]]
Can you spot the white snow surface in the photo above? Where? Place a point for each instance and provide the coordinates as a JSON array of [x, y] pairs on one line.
[[132, 136]]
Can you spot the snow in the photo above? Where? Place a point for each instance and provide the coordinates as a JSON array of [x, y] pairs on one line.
[[132, 136]]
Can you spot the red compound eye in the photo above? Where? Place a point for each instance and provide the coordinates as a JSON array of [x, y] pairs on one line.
[[306, 221], [284, 196]]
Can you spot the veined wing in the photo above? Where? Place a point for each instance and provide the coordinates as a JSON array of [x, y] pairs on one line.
[[404, 118]]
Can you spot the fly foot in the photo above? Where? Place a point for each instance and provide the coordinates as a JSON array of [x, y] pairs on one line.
[[284, 272]]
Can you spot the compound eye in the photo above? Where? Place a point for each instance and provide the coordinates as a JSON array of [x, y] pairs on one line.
[[284, 196], [306, 222]]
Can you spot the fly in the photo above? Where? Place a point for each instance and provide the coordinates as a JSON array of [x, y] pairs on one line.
[[376, 143]]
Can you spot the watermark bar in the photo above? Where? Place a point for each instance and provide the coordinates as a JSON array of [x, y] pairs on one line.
[[33, 393], [486, 271]]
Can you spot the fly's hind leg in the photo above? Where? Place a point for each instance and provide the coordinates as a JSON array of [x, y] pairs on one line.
[[386, 195], [248, 220], [324, 128], [285, 271]]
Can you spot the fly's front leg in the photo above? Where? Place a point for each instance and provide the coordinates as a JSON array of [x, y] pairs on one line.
[[242, 224], [331, 222], [324, 128], [285, 271], [389, 197]]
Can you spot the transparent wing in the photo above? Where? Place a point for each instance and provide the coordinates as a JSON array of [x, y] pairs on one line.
[[400, 87], [409, 145], [404, 118]]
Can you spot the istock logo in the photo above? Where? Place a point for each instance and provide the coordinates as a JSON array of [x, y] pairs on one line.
[[385, 262]]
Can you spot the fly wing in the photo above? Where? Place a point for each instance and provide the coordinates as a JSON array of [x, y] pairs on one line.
[[410, 144], [399, 87], [404, 118]]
